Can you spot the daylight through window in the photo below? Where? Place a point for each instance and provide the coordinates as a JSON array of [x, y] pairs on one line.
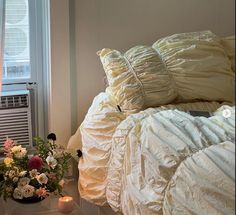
[[16, 47]]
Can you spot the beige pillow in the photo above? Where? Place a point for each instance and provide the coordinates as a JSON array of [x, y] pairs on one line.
[[179, 68]]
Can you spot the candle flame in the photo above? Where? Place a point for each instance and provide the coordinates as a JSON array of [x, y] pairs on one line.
[[66, 198]]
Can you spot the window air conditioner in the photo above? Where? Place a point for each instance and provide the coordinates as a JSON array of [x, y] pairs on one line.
[[17, 31], [15, 117]]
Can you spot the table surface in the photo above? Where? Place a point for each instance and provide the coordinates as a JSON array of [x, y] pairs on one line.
[[46, 207]]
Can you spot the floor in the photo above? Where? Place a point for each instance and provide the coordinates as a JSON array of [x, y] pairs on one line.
[[86, 207]]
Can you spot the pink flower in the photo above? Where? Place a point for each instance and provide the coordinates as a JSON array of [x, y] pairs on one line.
[[42, 192], [52, 176], [8, 144], [35, 162]]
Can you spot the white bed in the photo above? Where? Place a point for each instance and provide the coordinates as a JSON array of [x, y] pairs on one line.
[[162, 160]]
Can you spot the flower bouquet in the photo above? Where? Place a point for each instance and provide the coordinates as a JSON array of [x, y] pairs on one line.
[[30, 178]]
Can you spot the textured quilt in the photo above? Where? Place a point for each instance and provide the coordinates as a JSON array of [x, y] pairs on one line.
[[169, 162], [118, 149]]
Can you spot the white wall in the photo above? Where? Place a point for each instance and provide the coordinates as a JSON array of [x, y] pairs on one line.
[[125, 23], [60, 100]]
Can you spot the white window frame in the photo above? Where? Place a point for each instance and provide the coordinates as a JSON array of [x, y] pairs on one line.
[[39, 34], [2, 30]]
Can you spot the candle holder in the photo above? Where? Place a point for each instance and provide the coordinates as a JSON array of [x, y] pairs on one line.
[[65, 204]]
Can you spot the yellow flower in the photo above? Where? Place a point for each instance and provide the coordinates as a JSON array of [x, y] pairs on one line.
[[8, 161]]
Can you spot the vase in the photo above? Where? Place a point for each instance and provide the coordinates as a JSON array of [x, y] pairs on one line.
[[29, 200]]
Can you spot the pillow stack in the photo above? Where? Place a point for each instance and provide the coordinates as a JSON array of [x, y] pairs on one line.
[[179, 68]]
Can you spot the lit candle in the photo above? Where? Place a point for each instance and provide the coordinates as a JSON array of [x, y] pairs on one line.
[[65, 204]]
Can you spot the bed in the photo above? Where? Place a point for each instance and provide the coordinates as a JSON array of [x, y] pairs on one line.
[[143, 153]]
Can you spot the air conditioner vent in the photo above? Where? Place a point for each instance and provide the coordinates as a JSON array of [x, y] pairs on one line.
[[15, 124], [16, 11], [16, 40], [16, 101], [15, 117]]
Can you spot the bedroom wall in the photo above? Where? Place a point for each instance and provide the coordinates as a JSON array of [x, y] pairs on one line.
[[125, 23], [59, 98]]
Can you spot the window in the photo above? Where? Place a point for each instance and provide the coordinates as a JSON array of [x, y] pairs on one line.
[[16, 64], [16, 48], [25, 60]]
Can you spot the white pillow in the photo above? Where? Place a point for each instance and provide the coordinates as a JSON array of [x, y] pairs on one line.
[[179, 68]]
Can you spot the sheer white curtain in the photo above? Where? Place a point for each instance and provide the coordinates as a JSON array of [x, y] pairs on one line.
[[2, 29]]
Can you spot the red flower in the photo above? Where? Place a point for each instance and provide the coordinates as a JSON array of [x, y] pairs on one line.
[[35, 162]]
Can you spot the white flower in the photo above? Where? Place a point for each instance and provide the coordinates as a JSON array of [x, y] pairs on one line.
[[12, 173], [15, 179], [16, 149], [16, 169], [27, 191], [33, 173], [42, 178], [17, 194], [58, 152], [23, 181], [51, 161], [19, 151], [62, 182], [22, 173]]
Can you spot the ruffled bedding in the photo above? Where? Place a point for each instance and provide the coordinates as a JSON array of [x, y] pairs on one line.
[[96, 132], [181, 67], [229, 47], [162, 160], [169, 162]]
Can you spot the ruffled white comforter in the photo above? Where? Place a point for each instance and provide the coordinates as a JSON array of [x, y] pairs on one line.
[[133, 162], [169, 162]]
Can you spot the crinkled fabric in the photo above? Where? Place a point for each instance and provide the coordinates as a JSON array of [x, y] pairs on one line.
[[204, 183], [229, 46], [96, 133], [149, 151], [179, 68]]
